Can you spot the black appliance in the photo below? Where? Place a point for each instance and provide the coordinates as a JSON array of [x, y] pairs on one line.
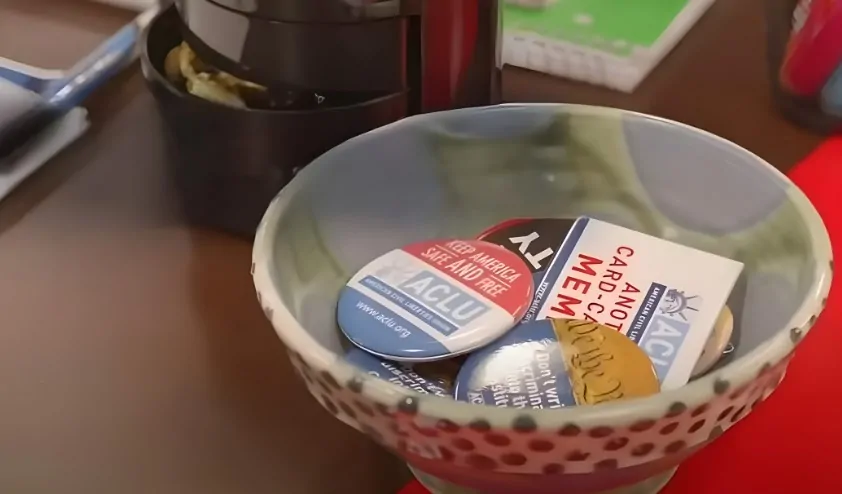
[[444, 52], [368, 63]]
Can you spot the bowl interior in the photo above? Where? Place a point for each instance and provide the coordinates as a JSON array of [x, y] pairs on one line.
[[454, 174]]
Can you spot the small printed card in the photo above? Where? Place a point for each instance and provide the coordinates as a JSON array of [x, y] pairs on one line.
[[663, 296]]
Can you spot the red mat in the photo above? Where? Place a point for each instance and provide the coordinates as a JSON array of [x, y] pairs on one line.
[[780, 447]]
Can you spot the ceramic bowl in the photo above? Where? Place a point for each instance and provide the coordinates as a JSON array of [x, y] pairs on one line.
[[454, 174]]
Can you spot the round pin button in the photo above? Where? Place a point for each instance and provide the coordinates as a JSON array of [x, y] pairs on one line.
[[434, 300], [717, 343], [401, 374], [555, 363], [535, 240]]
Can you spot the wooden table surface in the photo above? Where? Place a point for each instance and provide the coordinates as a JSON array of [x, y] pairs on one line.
[[133, 355]]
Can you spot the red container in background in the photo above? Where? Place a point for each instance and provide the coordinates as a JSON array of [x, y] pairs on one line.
[[796, 84], [814, 49], [449, 34]]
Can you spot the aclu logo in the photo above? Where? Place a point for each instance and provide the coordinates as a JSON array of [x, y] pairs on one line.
[[669, 328], [676, 304], [444, 298]]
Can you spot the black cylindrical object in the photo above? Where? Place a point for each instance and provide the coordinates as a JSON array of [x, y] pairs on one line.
[[376, 61], [228, 163], [446, 52], [323, 56], [321, 11]]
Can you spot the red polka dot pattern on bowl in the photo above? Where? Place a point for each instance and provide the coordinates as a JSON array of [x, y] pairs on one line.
[[526, 448]]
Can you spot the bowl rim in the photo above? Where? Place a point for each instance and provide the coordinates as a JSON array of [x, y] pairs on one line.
[[725, 379]]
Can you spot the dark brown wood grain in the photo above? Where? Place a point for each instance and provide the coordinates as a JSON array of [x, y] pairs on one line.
[[133, 355]]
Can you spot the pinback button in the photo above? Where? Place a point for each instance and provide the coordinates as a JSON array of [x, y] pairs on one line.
[[534, 240], [443, 371], [400, 374], [717, 343], [556, 363], [433, 300]]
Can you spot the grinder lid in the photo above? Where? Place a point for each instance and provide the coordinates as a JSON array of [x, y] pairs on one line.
[[320, 10], [306, 51]]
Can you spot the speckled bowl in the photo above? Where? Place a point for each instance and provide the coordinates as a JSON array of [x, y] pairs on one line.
[[454, 174]]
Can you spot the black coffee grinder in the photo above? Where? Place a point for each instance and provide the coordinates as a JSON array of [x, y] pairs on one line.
[[343, 66]]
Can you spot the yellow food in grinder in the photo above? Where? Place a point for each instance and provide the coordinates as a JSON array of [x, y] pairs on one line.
[[235, 82], [182, 66], [204, 86], [172, 66]]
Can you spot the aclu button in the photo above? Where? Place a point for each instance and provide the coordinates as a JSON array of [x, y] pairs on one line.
[[442, 297]]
